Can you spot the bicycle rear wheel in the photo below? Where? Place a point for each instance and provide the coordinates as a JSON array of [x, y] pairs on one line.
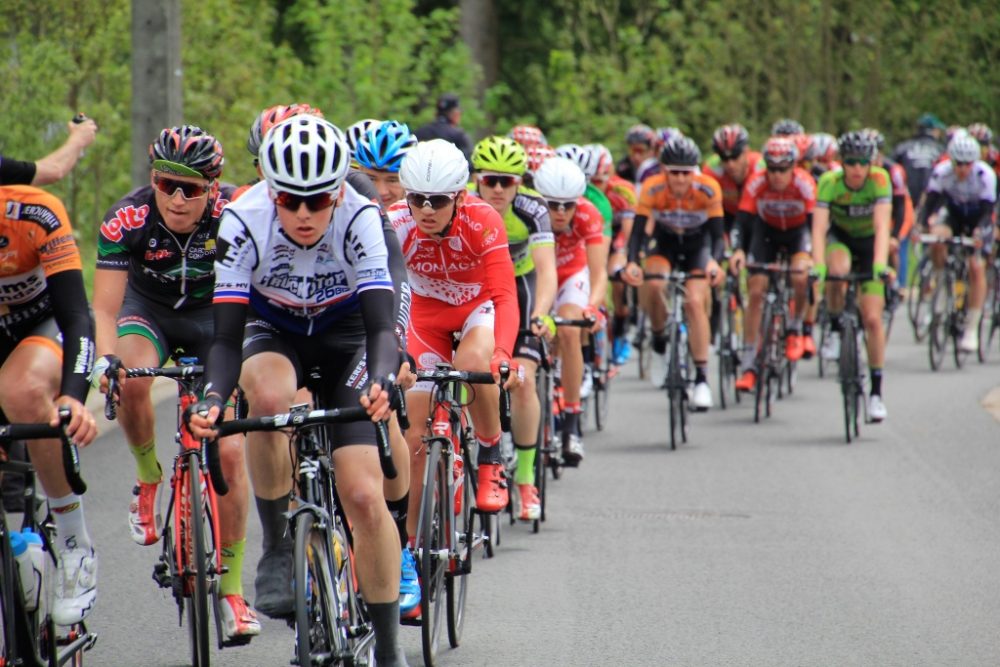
[[727, 373], [431, 544], [987, 320], [675, 387], [918, 300], [194, 546], [849, 378]]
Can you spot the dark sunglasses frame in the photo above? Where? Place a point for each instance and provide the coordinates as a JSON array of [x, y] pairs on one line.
[[505, 181], [779, 170], [560, 205], [731, 156], [680, 172], [169, 186], [436, 202], [315, 203], [853, 162]]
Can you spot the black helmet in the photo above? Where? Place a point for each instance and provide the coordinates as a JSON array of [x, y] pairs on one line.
[[857, 146], [187, 150], [787, 127], [680, 152]]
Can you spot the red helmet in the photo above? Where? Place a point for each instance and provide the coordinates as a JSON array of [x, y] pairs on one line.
[[780, 152], [538, 154], [730, 140], [270, 117], [527, 135], [803, 143]]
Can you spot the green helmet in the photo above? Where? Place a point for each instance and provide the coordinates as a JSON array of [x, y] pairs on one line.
[[500, 154]]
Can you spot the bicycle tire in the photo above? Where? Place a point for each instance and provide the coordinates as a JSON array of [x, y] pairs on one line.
[[8, 620], [988, 315], [644, 345], [849, 377], [762, 365], [727, 379], [457, 579], [197, 566], [315, 625], [674, 387], [543, 385], [431, 539], [917, 301], [937, 332]]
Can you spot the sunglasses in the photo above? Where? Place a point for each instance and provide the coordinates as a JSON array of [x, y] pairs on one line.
[[779, 170], [169, 186], [680, 172], [560, 206], [436, 202], [853, 162], [730, 158], [962, 164], [492, 180], [314, 203]]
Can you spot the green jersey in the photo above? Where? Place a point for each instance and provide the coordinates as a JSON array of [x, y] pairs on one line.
[[603, 204], [851, 210], [528, 227]]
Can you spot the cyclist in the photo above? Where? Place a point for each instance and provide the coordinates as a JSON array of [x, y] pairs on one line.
[[641, 143], [378, 155], [734, 166], [585, 159], [583, 278], [623, 198], [822, 155], [355, 131], [152, 295], [959, 201], [774, 217], [528, 136], [499, 164], [463, 284], [265, 120], [988, 153], [304, 253], [850, 231], [686, 211], [902, 205], [47, 350], [536, 155]]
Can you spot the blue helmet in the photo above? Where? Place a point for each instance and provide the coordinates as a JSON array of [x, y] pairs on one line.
[[383, 146]]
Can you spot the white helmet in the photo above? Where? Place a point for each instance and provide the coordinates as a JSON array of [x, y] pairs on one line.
[[582, 156], [600, 155], [963, 148], [434, 167], [304, 155], [560, 179], [355, 131]]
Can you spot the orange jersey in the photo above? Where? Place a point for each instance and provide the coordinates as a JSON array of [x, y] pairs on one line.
[[731, 190], [686, 214], [36, 241]]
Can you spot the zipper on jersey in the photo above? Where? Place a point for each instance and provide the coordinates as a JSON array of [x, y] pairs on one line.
[[184, 249]]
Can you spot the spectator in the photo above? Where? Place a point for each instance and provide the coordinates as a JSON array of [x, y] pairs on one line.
[[55, 165], [449, 115]]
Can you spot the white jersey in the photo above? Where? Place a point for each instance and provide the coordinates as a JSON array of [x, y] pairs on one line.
[[964, 197], [299, 289]]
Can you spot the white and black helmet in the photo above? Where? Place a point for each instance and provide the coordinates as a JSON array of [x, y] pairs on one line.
[[304, 155], [434, 167], [356, 132], [581, 155], [560, 179], [963, 148]]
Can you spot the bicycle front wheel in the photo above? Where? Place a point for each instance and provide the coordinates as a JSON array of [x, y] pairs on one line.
[[432, 543], [460, 565], [197, 571], [313, 583], [675, 387], [849, 388], [918, 302], [937, 332]]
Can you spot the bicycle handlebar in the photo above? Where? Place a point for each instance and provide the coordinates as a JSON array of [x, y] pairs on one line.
[[964, 241], [70, 453], [298, 420], [442, 375]]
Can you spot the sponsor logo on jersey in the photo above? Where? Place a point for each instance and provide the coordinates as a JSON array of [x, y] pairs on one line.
[[125, 218], [43, 216], [21, 287], [860, 210], [429, 266], [157, 255]]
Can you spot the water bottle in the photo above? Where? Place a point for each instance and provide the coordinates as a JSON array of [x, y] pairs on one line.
[[36, 550], [31, 578], [459, 470]]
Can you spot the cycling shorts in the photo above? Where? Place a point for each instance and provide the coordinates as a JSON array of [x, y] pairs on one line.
[[431, 336], [574, 290], [684, 252], [766, 242], [967, 227], [526, 346], [862, 251], [338, 353], [167, 329], [44, 332]]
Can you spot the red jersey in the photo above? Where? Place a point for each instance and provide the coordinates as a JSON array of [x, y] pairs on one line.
[[585, 229], [463, 269], [731, 190], [784, 210]]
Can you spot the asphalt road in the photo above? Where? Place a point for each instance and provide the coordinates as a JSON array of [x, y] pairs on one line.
[[770, 544]]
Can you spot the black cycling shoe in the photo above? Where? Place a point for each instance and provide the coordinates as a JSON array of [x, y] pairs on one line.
[[273, 583], [572, 450]]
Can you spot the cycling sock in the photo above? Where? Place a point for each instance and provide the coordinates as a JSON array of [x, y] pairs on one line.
[[571, 419], [972, 316], [488, 450], [525, 473], [747, 357], [795, 326], [398, 510], [231, 582], [146, 466], [273, 522], [835, 322], [71, 529], [700, 373], [876, 375], [660, 341], [618, 323], [807, 328], [385, 621]]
